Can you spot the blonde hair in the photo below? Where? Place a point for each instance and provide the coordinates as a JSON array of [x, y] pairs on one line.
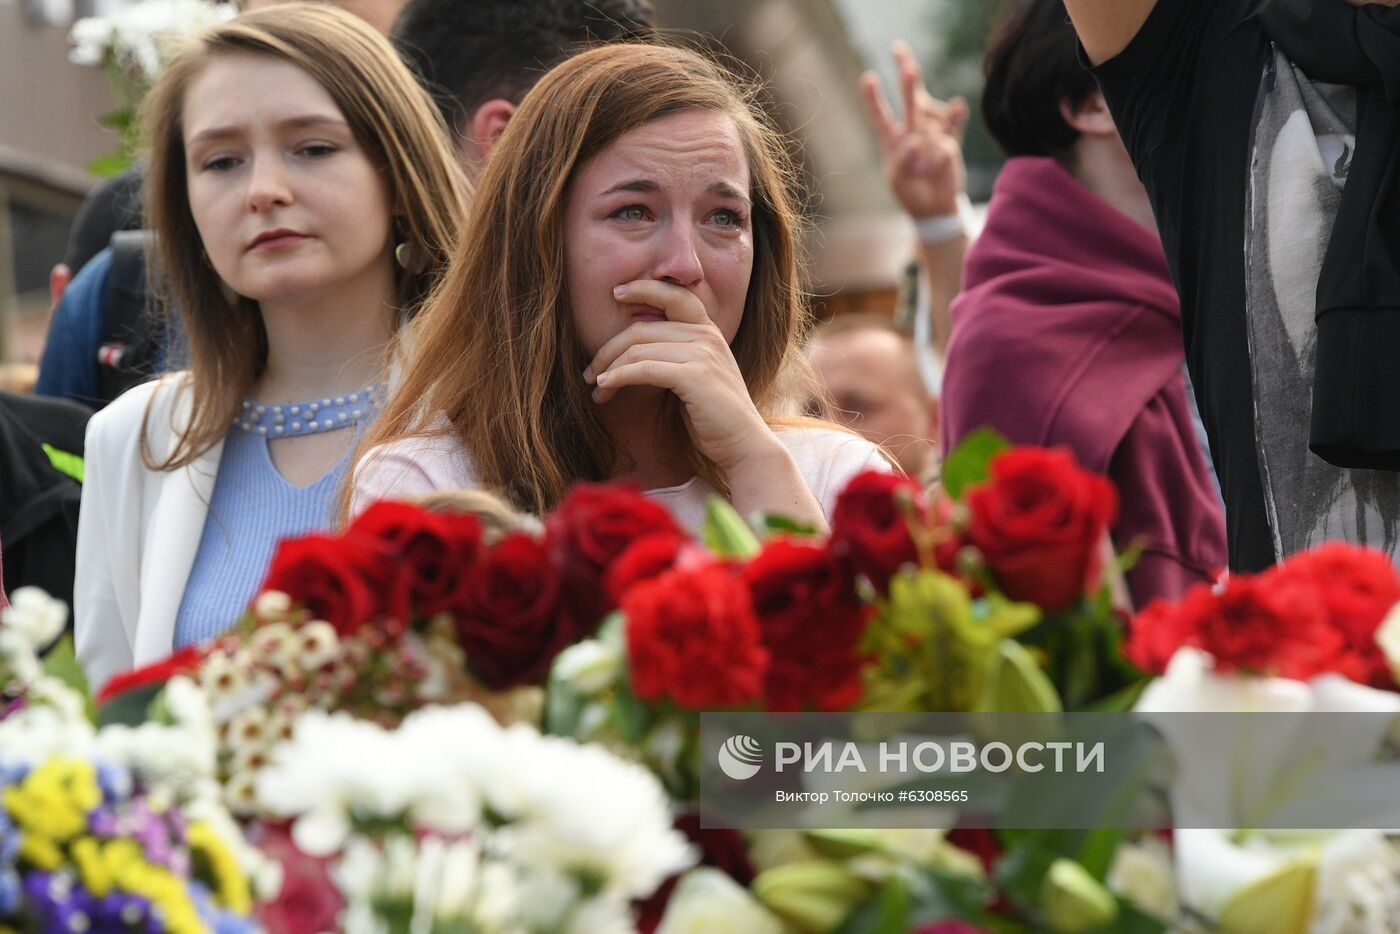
[[495, 353], [392, 119], [496, 516]]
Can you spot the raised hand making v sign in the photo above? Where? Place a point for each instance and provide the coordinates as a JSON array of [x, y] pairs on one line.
[[925, 172]]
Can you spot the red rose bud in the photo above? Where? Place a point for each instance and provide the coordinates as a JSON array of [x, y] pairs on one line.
[[1038, 522], [433, 552], [592, 527], [811, 621], [336, 579], [511, 623], [692, 637], [870, 525]]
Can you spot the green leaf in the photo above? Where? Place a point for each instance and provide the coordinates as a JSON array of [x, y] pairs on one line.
[[131, 708], [632, 716], [970, 461], [1015, 684], [113, 163], [886, 913], [61, 662], [725, 532], [770, 524]]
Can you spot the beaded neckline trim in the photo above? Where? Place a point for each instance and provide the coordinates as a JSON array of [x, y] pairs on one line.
[[307, 418]]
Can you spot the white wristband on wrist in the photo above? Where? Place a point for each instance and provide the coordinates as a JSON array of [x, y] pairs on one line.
[[935, 231]]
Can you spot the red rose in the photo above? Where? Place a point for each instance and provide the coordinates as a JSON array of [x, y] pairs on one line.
[[870, 524], [593, 526], [1357, 586], [692, 637], [337, 579], [648, 557], [811, 622], [1156, 633], [184, 662], [433, 551], [511, 622], [1262, 624], [1039, 522]]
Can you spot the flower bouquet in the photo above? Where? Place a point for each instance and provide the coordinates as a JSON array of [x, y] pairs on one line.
[[110, 830], [1317, 633], [611, 626]]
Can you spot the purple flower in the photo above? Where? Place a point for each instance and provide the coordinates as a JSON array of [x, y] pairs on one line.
[[102, 822]]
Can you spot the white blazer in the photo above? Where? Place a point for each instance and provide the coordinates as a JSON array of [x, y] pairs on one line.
[[138, 530]]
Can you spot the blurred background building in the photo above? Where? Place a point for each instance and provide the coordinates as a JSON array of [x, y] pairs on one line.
[[811, 52]]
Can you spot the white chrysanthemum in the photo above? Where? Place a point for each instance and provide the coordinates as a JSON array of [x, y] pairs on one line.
[[452, 745], [91, 37], [165, 757], [39, 732], [36, 616], [18, 663], [333, 769], [583, 810], [707, 901]]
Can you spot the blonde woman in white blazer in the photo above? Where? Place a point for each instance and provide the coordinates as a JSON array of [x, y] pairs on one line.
[[305, 200]]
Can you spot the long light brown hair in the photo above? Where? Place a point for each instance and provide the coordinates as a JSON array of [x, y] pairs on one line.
[[494, 353], [392, 119]]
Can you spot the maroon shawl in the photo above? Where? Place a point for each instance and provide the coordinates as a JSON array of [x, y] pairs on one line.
[[1068, 332]]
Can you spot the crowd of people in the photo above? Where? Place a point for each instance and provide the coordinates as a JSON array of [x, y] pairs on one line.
[[512, 246]]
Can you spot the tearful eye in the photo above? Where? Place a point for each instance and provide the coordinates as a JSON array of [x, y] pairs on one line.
[[724, 217]]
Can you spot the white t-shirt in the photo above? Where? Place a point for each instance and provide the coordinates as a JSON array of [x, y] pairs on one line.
[[411, 467]]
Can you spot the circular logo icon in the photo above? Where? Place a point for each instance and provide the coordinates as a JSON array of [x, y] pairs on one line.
[[740, 757]]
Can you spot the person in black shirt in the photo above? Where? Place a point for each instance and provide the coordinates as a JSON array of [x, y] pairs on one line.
[[1247, 155]]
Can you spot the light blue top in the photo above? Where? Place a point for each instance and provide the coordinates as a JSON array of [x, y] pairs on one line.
[[252, 509]]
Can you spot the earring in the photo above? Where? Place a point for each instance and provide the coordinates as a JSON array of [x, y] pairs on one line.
[[409, 258]]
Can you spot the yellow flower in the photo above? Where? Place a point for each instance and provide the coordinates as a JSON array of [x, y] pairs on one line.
[[40, 851], [89, 857], [229, 884], [166, 892], [54, 799]]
